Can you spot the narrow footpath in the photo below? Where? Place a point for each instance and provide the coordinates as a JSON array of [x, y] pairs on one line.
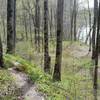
[[28, 90]]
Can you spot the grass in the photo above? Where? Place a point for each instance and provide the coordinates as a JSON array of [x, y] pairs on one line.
[[44, 81], [8, 89]]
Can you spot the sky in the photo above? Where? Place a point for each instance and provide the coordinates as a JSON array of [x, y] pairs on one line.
[[84, 3]]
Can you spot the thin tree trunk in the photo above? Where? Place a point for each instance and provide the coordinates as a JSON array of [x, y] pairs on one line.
[[75, 15], [94, 28], [51, 25], [38, 26], [71, 31], [25, 25], [96, 57], [4, 29], [11, 26], [1, 54], [30, 28], [46, 44], [14, 23], [57, 68], [90, 42]]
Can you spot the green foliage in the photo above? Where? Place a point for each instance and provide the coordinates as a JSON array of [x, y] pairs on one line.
[[44, 81], [75, 72], [7, 61], [8, 90]]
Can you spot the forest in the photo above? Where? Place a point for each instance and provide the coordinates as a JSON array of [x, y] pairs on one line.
[[49, 49]]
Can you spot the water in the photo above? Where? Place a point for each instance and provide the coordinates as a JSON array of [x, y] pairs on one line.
[[83, 33]]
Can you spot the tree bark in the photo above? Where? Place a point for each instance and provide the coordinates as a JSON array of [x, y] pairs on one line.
[[75, 15], [1, 54], [46, 40], [11, 25], [57, 68], [37, 25], [94, 28], [96, 56]]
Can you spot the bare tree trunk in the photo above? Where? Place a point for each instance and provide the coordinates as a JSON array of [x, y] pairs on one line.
[[11, 34], [73, 20], [51, 24], [46, 44], [75, 15], [36, 14], [88, 37], [4, 29], [25, 24], [37, 25], [90, 42], [71, 31], [94, 28], [96, 56], [1, 54], [57, 68], [14, 23], [30, 28]]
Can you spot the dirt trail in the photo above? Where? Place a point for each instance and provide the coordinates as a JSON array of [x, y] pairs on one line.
[[27, 88], [79, 51]]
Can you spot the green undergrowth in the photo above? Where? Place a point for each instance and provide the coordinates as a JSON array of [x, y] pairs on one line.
[[75, 72], [53, 90], [8, 90]]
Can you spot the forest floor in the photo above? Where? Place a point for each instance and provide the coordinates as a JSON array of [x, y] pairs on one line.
[[28, 90], [77, 74], [77, 68], [16, 85]]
